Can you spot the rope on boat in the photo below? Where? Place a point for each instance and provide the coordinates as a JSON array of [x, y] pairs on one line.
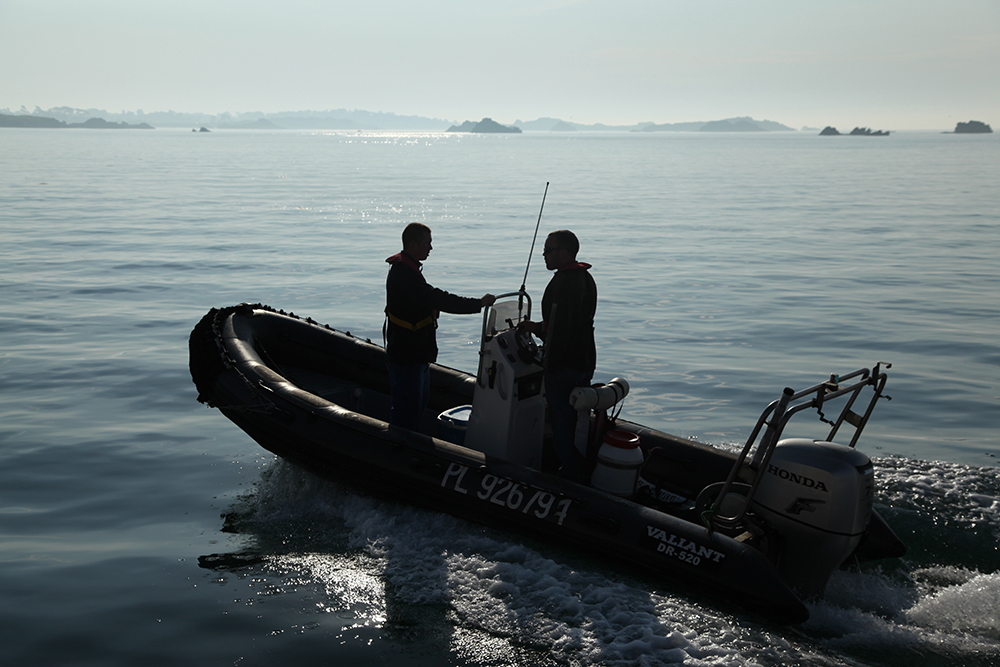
[[209, 359], [208, 356]]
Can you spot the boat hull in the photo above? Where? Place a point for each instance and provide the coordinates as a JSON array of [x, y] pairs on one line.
[[318, 398]]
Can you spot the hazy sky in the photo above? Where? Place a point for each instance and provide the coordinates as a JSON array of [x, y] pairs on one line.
[[894, 64]]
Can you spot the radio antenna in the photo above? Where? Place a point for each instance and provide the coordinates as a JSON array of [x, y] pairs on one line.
[[535, 237]]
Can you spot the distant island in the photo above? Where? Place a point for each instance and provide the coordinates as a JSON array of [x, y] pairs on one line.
[[740, 124], [90, 123], [830, 131], [361, 120], [358, 119], [973, 127], [562, 126], [745, 124], [335, 119], [486, 125]]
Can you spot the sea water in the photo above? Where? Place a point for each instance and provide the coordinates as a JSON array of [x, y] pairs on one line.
[[140, 527]]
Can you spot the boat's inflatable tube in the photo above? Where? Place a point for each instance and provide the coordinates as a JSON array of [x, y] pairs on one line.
[[320, 399]]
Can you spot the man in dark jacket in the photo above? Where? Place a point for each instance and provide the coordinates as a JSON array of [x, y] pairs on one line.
[[411, 307], [567, 328]]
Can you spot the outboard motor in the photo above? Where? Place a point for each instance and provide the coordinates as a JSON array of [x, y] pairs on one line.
[[818, 496]]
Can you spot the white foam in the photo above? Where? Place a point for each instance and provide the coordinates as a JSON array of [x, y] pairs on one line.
[[969, 607], [895, 612], [502, 597]]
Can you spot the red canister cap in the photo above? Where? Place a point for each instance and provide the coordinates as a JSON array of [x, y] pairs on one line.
[[621, 439]]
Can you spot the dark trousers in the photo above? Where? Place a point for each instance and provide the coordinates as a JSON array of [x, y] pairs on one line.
[[559, 384], [411, 391]]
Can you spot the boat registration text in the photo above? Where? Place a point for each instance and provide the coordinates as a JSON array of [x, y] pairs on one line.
[[506, 493]]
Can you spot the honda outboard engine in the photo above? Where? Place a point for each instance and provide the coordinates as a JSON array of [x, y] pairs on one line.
[[818, 496]]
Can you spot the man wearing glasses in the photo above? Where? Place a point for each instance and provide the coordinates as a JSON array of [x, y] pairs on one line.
[[567, 328]]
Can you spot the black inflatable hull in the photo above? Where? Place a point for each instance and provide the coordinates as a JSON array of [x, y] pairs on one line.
[[318, 398]]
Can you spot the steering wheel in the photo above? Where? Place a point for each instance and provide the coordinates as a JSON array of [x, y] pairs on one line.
[[527, 349]]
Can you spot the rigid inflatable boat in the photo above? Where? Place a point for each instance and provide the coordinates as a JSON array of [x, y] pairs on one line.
[[765, 526]]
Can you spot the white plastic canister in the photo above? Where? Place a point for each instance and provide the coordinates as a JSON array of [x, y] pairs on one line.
[[618, 463]]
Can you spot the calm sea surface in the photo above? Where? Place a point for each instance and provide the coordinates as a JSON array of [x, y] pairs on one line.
[[140, 527]]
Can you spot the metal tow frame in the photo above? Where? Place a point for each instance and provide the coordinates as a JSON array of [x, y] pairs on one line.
[[776, 416]]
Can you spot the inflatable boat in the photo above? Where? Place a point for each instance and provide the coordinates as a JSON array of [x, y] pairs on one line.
[[765, 526]]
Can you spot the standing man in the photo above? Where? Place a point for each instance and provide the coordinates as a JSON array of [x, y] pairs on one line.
[[411, 307], [567, 328]]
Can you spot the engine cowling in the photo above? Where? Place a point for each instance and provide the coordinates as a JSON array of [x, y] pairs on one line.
[[818, 496]]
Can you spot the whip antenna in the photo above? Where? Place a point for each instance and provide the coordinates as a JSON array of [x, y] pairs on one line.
[[533, 238]]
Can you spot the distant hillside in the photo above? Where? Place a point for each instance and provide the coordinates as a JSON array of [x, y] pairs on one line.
[[672, 127], [558, 125], [91, 123], [315, 122], [742, 124], [358, 119], [259, 124], [308, 120], [29, 121]]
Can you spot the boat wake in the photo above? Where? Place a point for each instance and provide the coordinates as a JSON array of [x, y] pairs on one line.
[[440, 584], [943, 599]]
